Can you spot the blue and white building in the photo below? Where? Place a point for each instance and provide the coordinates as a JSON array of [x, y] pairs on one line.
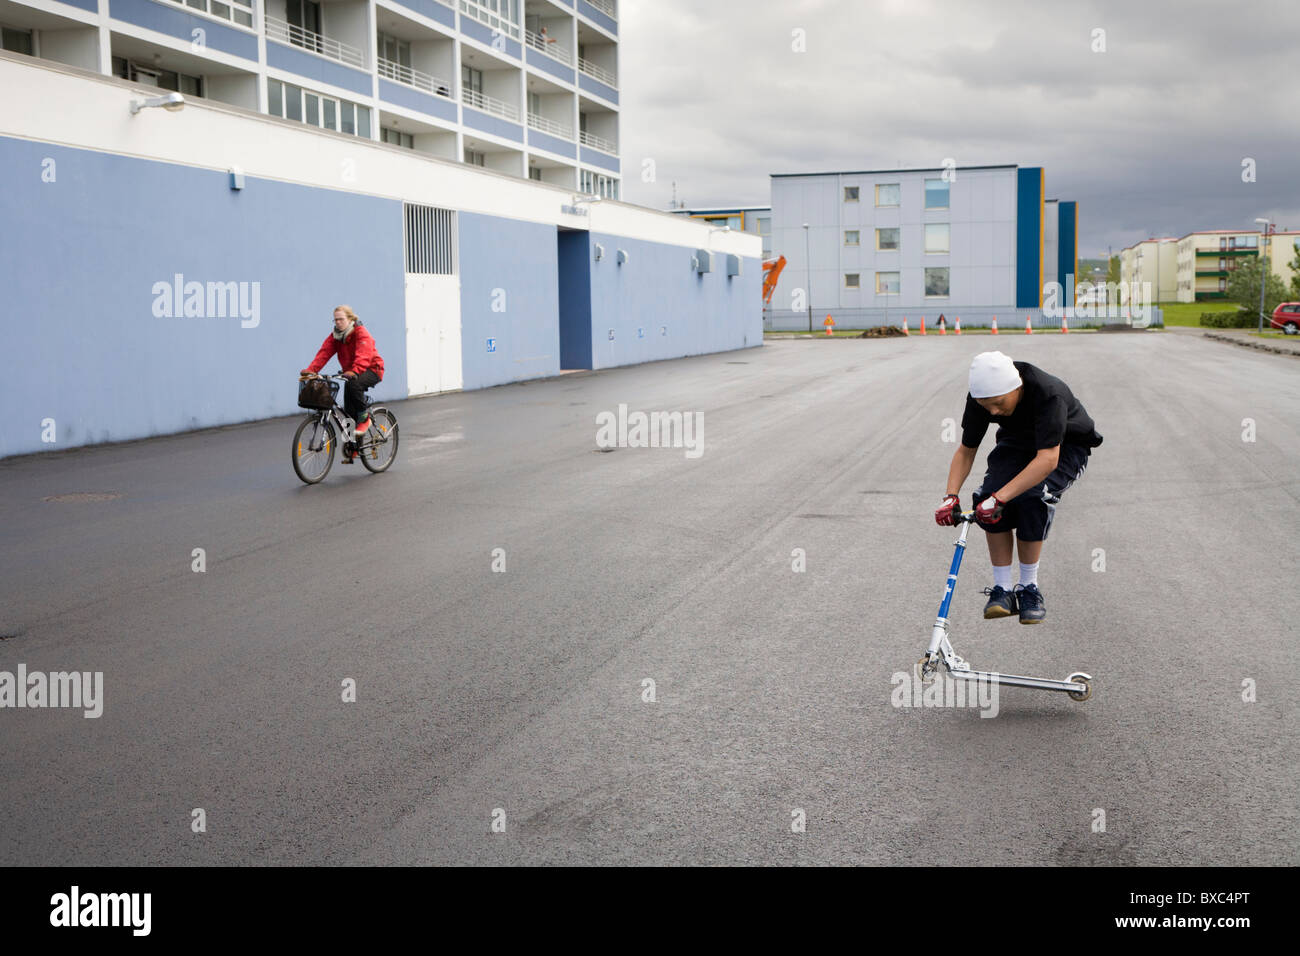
[[529, 88], [165, 271], [873, 247]]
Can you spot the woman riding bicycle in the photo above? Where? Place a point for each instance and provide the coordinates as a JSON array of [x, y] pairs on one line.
[[361, 364]]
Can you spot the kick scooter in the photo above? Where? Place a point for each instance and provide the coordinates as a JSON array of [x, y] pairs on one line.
[[1078, 685]]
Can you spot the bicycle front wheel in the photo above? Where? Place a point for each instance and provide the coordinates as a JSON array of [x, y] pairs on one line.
[[313, 449], [380, 447]]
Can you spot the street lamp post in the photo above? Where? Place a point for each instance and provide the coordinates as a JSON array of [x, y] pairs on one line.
[[1263, 271], [808, 269]]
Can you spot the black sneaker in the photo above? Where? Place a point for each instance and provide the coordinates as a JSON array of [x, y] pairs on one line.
[[1002, 603], [1030, 599]]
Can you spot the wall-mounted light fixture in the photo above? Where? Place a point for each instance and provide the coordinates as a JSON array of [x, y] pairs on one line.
[[622, 256], [172, 102], [598, 251], [236, 178]]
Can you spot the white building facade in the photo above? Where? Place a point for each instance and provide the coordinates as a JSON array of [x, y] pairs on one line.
[[529, 88]]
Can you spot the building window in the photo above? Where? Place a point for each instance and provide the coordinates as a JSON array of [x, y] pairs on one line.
[[1223, 243], [887, 283], [887, 239], [303, 106], [474, 158], [396, 138], [851, 237], [16, 41], [154, 76], [851, 193], [852, 280], [936, 194], [236, 11], [535, 174], [936, 282], [888, 195], [590, 183], [394, 50], [1223, 285], [936, 237], [471, 79]]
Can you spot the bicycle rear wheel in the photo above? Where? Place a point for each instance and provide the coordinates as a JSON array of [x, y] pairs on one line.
[[380, 446], [313, 448]]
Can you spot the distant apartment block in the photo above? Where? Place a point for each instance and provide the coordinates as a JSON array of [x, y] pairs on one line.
[[1151, 263], [1206, 260], [871, 247], [529, 88]]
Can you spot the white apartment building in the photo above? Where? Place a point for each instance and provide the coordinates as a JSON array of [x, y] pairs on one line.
[[529, 88], [1153, 262], [1207, 259]]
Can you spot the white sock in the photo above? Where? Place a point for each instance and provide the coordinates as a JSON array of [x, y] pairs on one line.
[[1029, 574], [1002, 577]]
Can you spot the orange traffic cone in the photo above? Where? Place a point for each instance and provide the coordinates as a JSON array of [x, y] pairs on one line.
[[943, 326], [958, 324], [905, 332], [830, 324], [923, 325], [995, 325], [1065, 326], [1029, 329]]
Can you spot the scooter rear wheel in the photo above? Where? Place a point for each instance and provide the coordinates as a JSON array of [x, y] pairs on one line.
[[1087, 687]]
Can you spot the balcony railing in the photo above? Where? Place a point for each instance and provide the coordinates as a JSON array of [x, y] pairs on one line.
[[489, 18], [421, 81], [598, 72], [550, 126], [489, 104], [604, 6], [325, 46], [549, 46], [598, 142]]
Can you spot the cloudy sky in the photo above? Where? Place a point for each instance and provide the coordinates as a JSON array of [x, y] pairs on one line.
[[1148, 136]]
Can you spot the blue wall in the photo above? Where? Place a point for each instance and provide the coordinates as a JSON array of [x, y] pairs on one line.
[[659, 307], [1065, 252], [575, 299], [520, 259], [1029, 237], [81, 257]]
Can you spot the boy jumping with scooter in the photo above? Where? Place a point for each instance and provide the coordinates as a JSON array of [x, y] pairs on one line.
[[1043, 444]]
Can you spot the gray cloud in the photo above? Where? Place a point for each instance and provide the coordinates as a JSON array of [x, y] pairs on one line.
[[1148, 136]]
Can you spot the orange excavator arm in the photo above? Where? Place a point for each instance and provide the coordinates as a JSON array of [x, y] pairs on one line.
[[772, 272]]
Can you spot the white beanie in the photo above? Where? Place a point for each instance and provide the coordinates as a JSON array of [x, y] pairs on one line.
[[992, 374]]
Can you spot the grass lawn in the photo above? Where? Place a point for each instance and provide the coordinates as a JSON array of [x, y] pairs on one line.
[[1189, 313]]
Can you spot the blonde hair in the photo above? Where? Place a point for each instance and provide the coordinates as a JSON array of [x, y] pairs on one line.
[[347, 310]]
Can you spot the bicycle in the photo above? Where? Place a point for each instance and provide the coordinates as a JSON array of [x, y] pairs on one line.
[[317, 435]]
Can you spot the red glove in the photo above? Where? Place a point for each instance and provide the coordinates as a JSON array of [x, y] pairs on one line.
[[951, 510], [989, 511]]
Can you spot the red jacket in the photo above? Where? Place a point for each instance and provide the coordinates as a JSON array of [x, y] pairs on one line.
[[356, 353]]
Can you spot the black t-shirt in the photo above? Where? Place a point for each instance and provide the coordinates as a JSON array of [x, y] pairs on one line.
[[1048, 415]]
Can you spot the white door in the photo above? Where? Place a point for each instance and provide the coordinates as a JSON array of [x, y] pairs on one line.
[[432, 334]]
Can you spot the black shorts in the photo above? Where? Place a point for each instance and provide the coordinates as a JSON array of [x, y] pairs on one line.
[[1030, 513]]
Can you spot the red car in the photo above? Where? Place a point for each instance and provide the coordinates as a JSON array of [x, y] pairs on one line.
[[1286, 317]]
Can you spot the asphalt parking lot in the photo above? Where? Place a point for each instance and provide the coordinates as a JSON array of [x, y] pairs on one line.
[[502, 716]]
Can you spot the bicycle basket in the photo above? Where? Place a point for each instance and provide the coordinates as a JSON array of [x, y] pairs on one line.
[[317, 393]]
